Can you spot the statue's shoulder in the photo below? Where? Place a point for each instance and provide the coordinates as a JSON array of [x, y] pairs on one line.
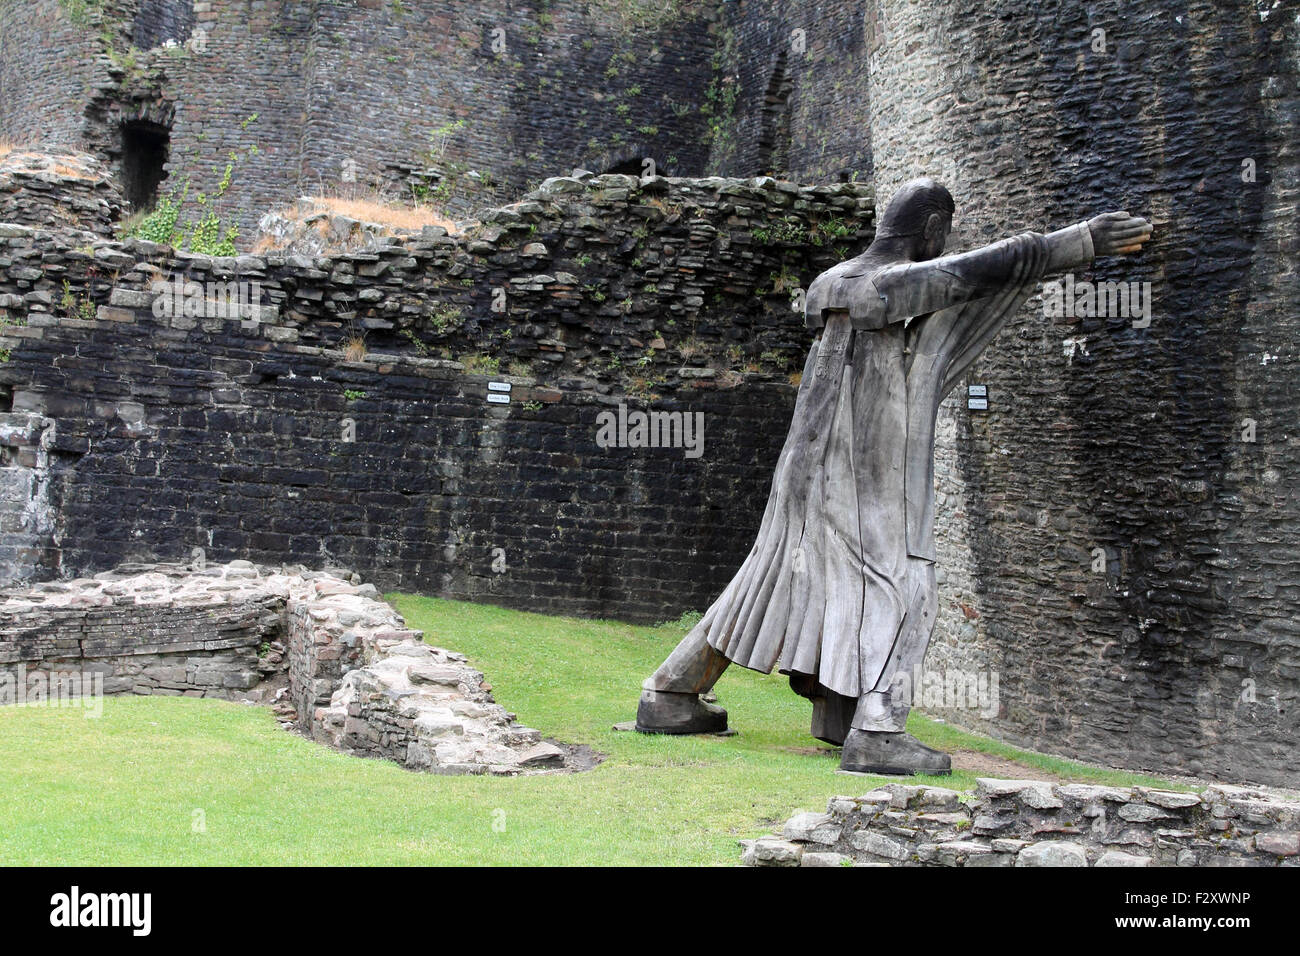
[[845, 287]]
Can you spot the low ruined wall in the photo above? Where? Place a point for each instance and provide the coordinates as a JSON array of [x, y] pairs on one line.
[[365, 684], [358, 679], [142, 631], [1035, 823], [61, 190]]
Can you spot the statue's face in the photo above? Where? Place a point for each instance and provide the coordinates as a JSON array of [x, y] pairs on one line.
[[937, 227]]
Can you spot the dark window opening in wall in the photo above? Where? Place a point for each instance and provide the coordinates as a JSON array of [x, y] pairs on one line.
[[144, 154], [774, 137]]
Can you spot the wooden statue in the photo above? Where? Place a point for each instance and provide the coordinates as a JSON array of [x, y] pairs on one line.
[[839, 589]]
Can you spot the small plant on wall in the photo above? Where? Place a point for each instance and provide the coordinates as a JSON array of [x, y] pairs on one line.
[[207, 233]]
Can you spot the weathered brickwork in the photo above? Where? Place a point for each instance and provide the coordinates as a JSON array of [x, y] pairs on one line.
[[476, 100], [47, 64], [789, 90], [1182, 652], [259, 436], [65, 191]]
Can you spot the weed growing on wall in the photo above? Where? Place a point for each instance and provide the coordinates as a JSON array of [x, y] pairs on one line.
[[82, 12], [207, 233], [77, 307], [163, 224]]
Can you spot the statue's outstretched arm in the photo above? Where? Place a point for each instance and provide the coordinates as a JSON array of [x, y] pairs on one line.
[[910, 289]]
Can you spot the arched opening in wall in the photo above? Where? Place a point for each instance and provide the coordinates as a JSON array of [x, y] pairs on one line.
[[144, 158], [628, 167], [774, 136]]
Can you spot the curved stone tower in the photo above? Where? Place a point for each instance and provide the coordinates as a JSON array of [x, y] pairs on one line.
[[1115, 545]]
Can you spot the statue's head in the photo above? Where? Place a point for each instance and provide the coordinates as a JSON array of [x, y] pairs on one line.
[[920, 214]]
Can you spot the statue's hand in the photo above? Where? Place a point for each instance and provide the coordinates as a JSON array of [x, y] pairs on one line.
[[1118, 233]]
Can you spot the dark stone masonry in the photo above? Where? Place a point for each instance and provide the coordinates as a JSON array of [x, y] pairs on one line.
[[67, 191], [256, 434], [1117, 540]]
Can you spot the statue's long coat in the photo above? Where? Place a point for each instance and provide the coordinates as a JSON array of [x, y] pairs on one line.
[[839, 584]]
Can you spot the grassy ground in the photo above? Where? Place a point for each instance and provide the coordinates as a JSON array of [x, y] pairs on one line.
[[182, 781]]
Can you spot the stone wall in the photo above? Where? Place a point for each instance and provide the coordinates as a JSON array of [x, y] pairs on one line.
[[47, 65], [789, 93], [59, 191], [365, 684], [1106, 445], [474, 101], [28, 513], [259, 435], [160, 631], [358, 679], [1034, 823]]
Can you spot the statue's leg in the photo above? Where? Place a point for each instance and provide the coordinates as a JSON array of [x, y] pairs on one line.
[[831, 712], [832, 716], [670, 697], [878, 741]]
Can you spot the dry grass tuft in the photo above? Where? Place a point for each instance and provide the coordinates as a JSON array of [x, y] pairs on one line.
[[264, 246], [407, 218], [20, 150], [355, 349]]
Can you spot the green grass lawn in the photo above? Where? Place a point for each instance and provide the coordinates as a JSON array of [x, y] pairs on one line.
[[128, 788]]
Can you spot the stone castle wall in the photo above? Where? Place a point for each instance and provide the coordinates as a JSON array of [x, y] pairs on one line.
[[469, 102], [59, 191], [1180, 651], [47, 64], [472, 102], [789, 91], [257, 435]]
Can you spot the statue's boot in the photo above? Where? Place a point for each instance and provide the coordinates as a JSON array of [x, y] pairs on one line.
[[668, 712], [871, 751]]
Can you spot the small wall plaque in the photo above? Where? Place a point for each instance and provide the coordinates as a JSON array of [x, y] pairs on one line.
[[498, 386], [496, 398], [977, 397]]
